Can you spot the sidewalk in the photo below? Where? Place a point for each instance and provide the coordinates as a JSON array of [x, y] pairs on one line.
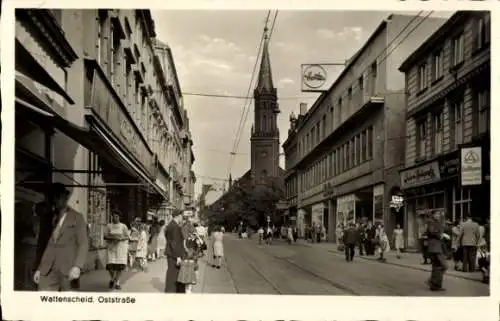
[[408, 260], [153, 281], [98, 280]]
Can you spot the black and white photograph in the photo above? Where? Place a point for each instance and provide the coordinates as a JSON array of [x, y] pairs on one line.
[[265, 152]]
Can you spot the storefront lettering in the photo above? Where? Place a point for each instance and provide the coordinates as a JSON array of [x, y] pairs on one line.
[[450, 167], [105, 104], [425, 174]]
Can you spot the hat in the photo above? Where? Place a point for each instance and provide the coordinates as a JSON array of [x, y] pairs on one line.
[[58, 189]]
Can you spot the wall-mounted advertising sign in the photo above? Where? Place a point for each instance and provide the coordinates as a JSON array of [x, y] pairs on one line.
[[471, 166], [319, 77]]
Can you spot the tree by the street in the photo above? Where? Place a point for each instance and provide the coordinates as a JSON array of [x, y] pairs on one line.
[[248, 203]]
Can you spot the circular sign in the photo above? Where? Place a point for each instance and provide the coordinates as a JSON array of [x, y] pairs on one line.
[[314, 76]]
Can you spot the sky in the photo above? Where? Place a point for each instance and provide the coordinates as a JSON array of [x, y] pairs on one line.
[[214, 53]]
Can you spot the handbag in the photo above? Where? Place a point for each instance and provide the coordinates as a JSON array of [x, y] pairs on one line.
[[187, 274]]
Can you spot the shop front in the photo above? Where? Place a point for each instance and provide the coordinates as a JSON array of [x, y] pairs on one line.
[[432, 187], [346, 210], [301, 222]]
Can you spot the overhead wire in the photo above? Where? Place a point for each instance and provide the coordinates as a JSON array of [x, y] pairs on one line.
[[238, 97], [245, 106], [248, 109]]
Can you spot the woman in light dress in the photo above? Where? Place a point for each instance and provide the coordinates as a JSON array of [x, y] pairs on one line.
[[218, 247], [162, 240], [383, 242], [142, 248], [117, 236], [398, 240]]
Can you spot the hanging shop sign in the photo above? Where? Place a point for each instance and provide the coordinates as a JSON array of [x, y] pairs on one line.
[[422, 175], [106, 105], [471, 166], [397, 202]]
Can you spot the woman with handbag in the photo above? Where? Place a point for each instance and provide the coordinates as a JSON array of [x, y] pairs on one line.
[[117, 236], [218, 247]]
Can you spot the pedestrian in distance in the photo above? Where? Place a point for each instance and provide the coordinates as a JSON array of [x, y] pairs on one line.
[[175, 252], [261, 234], [132, 243], [66, 251], [382, 241], [361, 239], [141, 254], [436, 250], [399, 244], [289, 235], [218, 247], [456, 248], [371, 241], [117, 236], [350, 240], [470, 236]]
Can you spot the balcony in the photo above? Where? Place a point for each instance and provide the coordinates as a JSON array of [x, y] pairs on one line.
[[136, 68]]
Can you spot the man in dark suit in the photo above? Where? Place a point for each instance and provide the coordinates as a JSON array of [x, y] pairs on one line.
[[436, 251], [350, 241], [175, 251], [66, 251]]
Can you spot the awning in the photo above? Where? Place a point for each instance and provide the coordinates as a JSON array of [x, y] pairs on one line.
[[124, 159], [92, 138], [28, 65]]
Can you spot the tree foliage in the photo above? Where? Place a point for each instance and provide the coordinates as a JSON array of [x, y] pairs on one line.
[[248, 203]]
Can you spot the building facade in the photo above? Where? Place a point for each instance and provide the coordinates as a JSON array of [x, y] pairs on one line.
[[93, 111], [448, 124], [344, 154]]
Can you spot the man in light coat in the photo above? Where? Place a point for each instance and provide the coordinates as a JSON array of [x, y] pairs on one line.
[[66, 251], [469, 239]]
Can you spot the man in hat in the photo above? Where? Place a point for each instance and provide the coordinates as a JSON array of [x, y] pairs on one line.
[[66, 251], [175, 252]]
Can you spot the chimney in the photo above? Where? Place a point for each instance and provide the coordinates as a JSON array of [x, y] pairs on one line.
[[303, 108]]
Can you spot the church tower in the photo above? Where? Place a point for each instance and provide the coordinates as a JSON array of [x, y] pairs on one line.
[[265, 138]]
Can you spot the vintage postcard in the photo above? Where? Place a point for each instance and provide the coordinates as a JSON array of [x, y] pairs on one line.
[[297, 160]]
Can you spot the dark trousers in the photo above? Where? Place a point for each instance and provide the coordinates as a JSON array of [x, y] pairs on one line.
[[362, 247], [349, 252], [318, 237], [171, 284], [424, 249], [370, 247], [469, 258], [438, 261]]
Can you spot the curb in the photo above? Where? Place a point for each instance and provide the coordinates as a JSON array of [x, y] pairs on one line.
[[413, 267]]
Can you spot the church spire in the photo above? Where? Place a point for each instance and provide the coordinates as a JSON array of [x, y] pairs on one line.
[[265, 80]]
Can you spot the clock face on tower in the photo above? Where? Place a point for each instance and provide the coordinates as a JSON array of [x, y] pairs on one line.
[[263, 154]]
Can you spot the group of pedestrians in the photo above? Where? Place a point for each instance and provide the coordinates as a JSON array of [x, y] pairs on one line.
[[315, 233], [368, 238]]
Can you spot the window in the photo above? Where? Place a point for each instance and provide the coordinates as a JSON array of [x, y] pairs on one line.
[[349, 94], [421, 137], [353, 151], [373, 78], [358, 150], [374, 69], [332, 117], [115, 62], [456, 111], [422, 77], [458, 50], [482, 30], [100, 36], [128, 84], [340, 110], [361, 83], [363, 146], [461, 202], [323, 127], [334, 163], [369, 139], [437, 66], [341, 159], [483, 110], [438, 132], [347, 155]]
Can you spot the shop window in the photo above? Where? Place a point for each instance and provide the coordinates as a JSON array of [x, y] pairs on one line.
[[456, 122], [482, 108], [438, 132], [461, 202], [458, 50], [421, 137], [378, 208]]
